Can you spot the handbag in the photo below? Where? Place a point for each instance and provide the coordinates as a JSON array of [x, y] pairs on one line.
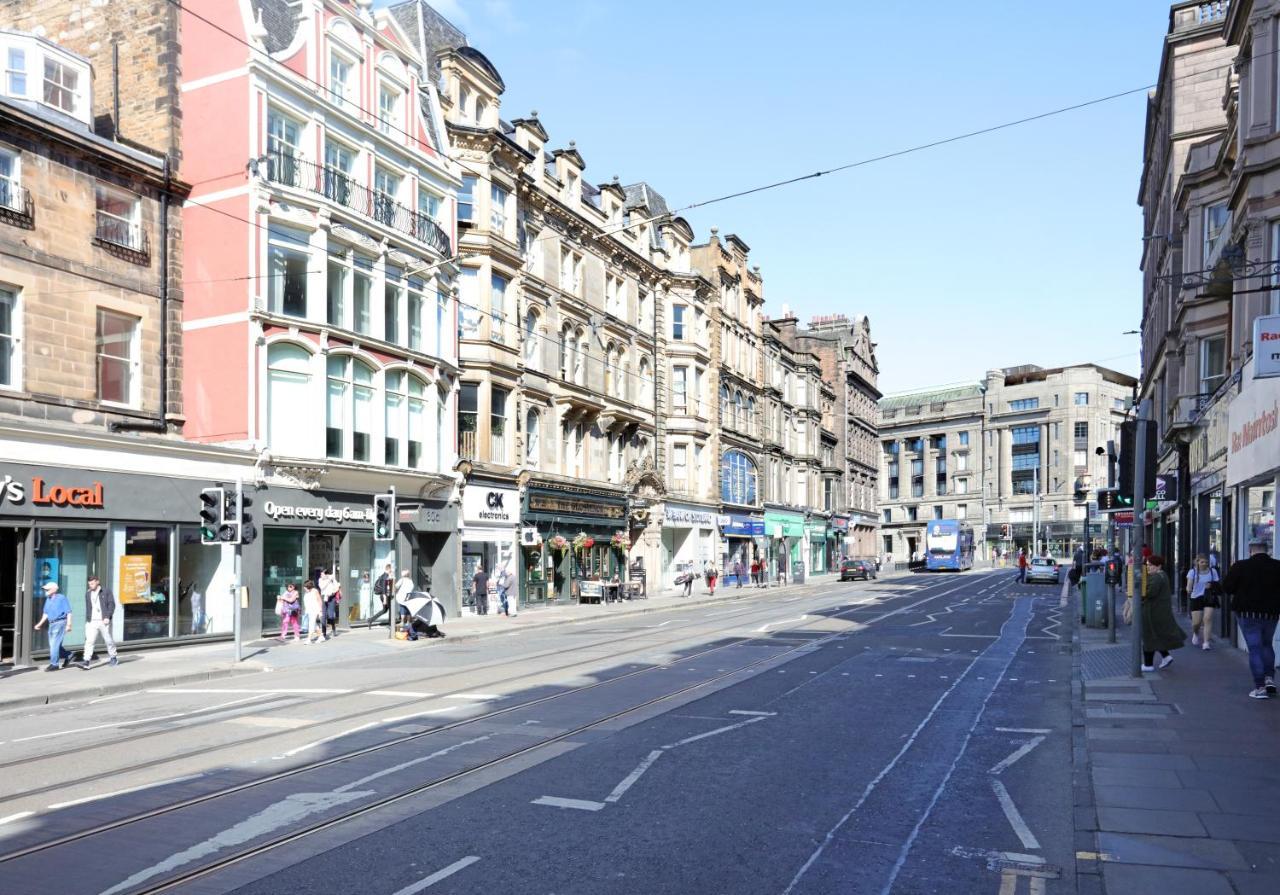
[[1127, 611], [279, 607]]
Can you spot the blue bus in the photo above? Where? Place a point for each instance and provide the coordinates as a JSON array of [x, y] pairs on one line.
[[948, 544]]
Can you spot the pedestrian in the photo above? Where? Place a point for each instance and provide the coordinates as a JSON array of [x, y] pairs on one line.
[[1203, 589], [782, 571], [1160, 630], [289, 608], [99, 608], [504, 590], [382, 588], [313, 601], [1254, 586], [738, 571], [480, 587], [331, 591], [57, 615], [1022, 566], [686, 578], [709, 573], [755, 573], [404, 587], [366, 596]]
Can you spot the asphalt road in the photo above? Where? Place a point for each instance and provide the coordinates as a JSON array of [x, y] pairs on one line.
[[909, 737]]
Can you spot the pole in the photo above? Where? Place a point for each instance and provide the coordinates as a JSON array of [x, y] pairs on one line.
[[1035, 514], [392, 609], [1139, 529], [1111, 583]]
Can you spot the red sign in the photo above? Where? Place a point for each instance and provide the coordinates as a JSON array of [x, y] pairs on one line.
[[1125, 517], [64, 496]]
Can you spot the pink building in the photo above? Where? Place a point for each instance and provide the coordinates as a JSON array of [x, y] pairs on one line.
[[320, 315]]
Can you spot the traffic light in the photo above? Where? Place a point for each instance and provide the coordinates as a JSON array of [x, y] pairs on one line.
[[229, 530], [1108, 500], [211, 506], [1128, 454], [1004, 531], [247, 529], [384, 514]]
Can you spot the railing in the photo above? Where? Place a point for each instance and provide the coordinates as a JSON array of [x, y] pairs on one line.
[[1212, 12], [114, 231], [467, 445], [15, 203], [339, 187]]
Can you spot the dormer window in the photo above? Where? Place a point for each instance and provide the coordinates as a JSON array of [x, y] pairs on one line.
[[575, 188], [15, 72], [388, 109], [464, 100], [340, 80], [36, 70], [60, 83], [482, 109]]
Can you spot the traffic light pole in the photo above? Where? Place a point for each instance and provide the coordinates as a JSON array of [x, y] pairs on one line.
[[235, 587], [1139, 530]]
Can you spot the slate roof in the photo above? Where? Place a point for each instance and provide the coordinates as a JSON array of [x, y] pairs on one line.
[[642, 194], [281, 21]]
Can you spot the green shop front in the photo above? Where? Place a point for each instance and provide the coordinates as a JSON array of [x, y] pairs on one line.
[[819, 535], [570, 534], [785, 533]]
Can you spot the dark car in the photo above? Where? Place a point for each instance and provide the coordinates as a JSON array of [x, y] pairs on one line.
[[857, 568]]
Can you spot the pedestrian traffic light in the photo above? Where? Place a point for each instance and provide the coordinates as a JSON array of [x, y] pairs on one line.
[[211, 505], [229, 529], [1108, 500], [384, 514]]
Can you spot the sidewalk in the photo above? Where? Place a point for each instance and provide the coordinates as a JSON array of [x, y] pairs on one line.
[[1177, 775], [169, 666]]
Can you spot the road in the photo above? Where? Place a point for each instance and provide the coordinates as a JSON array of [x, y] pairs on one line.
[[903, 736]]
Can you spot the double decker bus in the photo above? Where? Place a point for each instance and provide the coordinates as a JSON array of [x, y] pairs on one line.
[[948, 545]]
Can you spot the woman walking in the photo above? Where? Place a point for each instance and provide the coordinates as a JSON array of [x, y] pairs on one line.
[[314, 603], [1160, 631], [290, 611], [1203, 586]]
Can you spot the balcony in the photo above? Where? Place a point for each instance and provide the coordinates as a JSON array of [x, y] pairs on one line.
[[122, 237], [467, 444], [15, 204], [339, 188]]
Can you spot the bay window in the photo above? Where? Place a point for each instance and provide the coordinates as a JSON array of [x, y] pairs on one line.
[[498, 425], [497, 209], [469, 304], [466, 199], [497, 307]]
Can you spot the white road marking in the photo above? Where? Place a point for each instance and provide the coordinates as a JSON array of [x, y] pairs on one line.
[[662, 625], [763, 628], [395, 769], [1023, 730], [961, 852], [474, 697], [406, 693], [263, 692], [323, 740], [439, 875], [221, 705], [109, 698], [557, 802], [631, 778], [748, 712], [394, 718], [123, 792], [1019, 825], [711, 733], [12, 817]]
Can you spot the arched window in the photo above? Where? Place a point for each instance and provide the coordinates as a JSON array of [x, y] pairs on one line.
[[622, 375], [725, 408], [405, 428], [566, 353], [532, 339], [289, 397], [737, 478], [349, 426], [738, 421], [532, 438], [610, 374], [751, 416], [580, 358], [646, 383]]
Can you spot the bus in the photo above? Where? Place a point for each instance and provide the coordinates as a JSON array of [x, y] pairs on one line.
[[948, 545]]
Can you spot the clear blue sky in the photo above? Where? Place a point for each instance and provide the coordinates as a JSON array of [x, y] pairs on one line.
[[1016, 247]]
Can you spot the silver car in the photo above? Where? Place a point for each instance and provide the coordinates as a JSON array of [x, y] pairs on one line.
[[1043, 568]]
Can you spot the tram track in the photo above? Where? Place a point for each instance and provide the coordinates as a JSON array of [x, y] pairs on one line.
[[308, 767]]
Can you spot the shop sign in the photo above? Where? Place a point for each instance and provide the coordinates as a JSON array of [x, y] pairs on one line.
[[1166, 487], [839, 523], [574, 506], [46, 495], [1253, 448], [500, 505], [1124, 517], [277, 511], [742, 526], [688, 517], [1266, 346]]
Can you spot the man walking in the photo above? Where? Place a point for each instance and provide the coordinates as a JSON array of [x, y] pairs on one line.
[[504, 590], [382, 590], [57, 615], [737, 571], [99, 607], [1022, 566], [480, 589], [1254, 586]]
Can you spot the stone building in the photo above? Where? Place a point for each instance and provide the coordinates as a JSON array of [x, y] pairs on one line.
[[1007, 455]]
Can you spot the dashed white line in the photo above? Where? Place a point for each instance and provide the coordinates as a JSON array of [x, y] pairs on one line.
[[1022, 729], [630, 779], [170, 717], [474, 697], [439, 875], [123, 792], [323, 740], [1015, 819], [710, 733], [749, 712], [410, 694], [12, 817], [579, 804], [1002, 766]]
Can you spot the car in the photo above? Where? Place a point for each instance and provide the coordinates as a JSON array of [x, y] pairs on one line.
[[1043, 568], [857, 568]]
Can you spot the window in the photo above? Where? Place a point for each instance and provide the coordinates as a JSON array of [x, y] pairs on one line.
[[482, 111], [646, 310], [828, 494], [468, 419], [469, 304], [289, 400], [392, 299], [498, 425], [1213, 360], [497, 209], [394, 425], [1024, 404], [60, 82], [912, 514], [886, 515], [1215, 225], [964, 439], [1080, 399], [415, 313], [678, 322], [10, 339], [679, 389], [349, 423], [386, 187], [497, 307], [119, 218], [1081, 432], [646, 382], [388, 109], [464, 101], [362, 295], [339, 79], [288, 255], [336, 293], [531, 339], [283, 134], [680, 467], [15, 72], [962, 511], [467, 200], [532, 438], [962, 486], [10, 181], [574, 437], [338, 162], [117, 348], [738, 479], [937, 512]]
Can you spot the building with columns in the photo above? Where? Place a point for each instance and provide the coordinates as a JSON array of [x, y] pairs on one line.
[[1007, 454]]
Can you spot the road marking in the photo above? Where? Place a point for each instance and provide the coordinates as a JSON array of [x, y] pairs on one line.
[[763, 628], [12, 817], [474, 697], [631, 778], [748, 712], [123, 792], [407, 693], [395, 769], [212, 708], [710, 733], [109, 698], [662, 625], [986, 854], [557, 802], [1016, 821], [263, 692], [439, 875], [1023, 730], [323, 740], [394, 718], [1080, 855]]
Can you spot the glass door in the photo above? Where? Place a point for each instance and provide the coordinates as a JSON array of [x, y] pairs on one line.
[[67, 556], [283, 561]]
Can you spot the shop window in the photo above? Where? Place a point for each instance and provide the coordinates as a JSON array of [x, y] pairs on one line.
[[289, 397], [117, 349], [204, 596], [284, 557], [67, 557], [143, 582]]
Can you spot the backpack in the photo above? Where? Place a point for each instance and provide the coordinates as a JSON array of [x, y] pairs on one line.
[[380, 586]]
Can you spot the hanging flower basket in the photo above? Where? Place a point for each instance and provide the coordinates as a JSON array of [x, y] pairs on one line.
[[583, 542], [558, 544], [620, 542]]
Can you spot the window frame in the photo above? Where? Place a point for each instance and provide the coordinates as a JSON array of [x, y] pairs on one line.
[[1210, 383], [73, 91], [131, 225], [343, 98], [11, 183], [351, 391], [11, 341], [281, 241], [385, 124], [132, 361], [10, 72]]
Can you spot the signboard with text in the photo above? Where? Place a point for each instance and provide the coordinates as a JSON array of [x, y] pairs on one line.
[[1266, 346], [1166, 488]]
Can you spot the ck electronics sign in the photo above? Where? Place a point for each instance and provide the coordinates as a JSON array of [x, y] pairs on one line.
[[1266, 347], [490, 505]]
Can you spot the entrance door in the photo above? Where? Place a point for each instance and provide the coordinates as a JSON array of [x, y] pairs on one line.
[[11, 568], [322, 555]]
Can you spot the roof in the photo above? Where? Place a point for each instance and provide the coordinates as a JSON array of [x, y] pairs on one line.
[[642, 194], [482, 62], [953, 393], [280, 21]]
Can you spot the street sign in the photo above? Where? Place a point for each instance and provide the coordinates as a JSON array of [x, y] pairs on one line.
[[1153, 505], [1124, 517]]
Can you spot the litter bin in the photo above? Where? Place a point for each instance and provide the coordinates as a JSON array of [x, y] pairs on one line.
[[1093, 593]]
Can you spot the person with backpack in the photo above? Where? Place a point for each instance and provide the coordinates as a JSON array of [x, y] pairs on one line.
[[382, 590], [1204, 588]]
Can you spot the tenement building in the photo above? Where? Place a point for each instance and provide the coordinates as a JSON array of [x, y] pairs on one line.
[[1009, 455]]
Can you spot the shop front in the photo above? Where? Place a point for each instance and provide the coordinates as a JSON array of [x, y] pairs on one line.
[[742, 537], [1253, 460], [136, 533], [786, 552], [688, 541], [490, 528], [840, 545], [818, 532], [571, 534]]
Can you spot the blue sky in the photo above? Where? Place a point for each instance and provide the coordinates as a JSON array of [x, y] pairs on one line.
[[1015, 247]]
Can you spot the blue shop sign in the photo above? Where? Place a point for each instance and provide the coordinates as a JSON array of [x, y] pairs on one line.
[[736, 525]]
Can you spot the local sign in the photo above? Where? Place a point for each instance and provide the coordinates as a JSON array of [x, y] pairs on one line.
[[1266, 346]]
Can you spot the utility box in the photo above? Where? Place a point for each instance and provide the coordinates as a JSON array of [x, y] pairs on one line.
[[1094, 590]]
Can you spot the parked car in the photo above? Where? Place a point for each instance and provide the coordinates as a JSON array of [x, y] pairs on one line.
[[857, 568], [1043, 568]]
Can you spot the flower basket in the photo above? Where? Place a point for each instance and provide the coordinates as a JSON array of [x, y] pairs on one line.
[[583, 542], [620, 542], [558, 544]]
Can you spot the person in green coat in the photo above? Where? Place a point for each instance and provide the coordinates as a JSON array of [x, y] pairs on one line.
[[1160, 630]]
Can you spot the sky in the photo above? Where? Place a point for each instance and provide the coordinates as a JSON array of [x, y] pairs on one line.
[[1015, 247]]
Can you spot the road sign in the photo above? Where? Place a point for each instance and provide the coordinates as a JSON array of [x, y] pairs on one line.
[[1124, 517]]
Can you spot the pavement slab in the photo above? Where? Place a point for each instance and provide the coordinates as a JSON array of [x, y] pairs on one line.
[[1134, 880]]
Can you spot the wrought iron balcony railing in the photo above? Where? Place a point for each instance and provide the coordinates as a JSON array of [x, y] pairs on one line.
[[338, 187], [15, 203], [117, 233]]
